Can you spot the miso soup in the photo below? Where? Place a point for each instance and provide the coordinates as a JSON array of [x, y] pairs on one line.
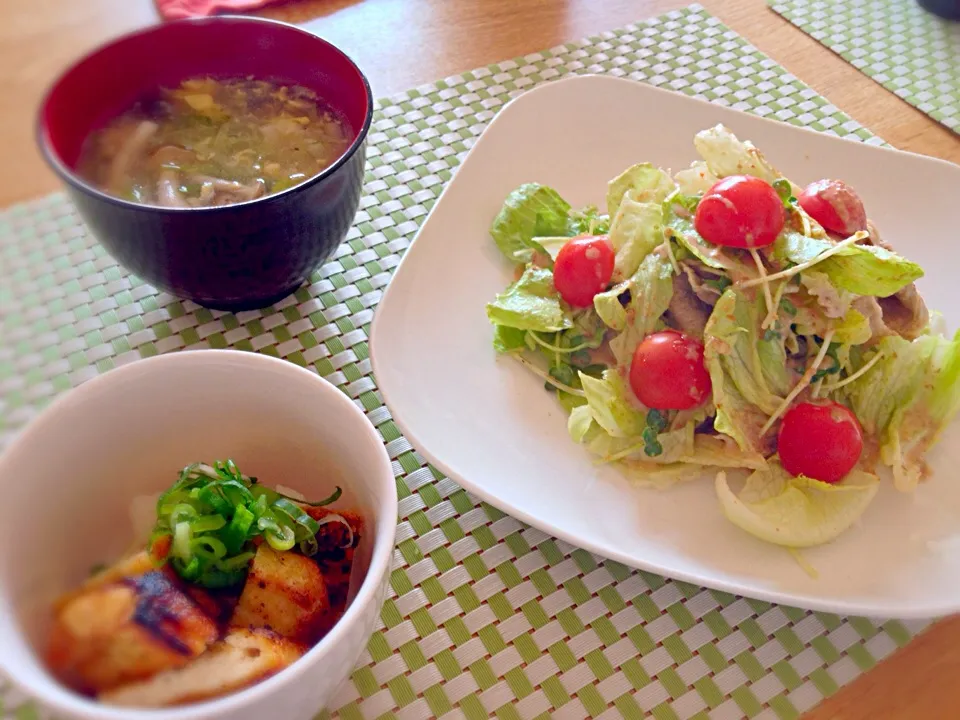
[[214, 142]]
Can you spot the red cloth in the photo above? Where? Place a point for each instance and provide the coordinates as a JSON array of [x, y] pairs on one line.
[[175, 9]]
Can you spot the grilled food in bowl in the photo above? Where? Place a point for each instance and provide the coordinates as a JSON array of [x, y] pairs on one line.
[[201, 616]]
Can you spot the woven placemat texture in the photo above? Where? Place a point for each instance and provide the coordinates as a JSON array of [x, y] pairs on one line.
[[908, 50], [486, 616]]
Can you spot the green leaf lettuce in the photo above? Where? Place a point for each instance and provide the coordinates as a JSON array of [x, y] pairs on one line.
[[859, 269], [797, 511], [906, 399], [531, 303], [648, 183], [530, 211], [748, 370]]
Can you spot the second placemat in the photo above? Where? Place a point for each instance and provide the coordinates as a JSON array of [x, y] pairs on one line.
[[911, 52]]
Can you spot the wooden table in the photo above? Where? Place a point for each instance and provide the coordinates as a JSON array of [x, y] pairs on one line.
[[402, 43]]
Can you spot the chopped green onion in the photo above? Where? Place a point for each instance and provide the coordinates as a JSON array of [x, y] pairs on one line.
[[306, 527], [236, 533], [297, 515], [189, 570], [280, 537], [235, 492], [209, 547], [334, 517], [214, 513], [181, 540], [309, 545], [319, 503], [207, 523], [217, 503], [237, 562], [205, 470], [181, 513]]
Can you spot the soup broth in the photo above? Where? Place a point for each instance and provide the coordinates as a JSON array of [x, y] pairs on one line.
[[214, 142]]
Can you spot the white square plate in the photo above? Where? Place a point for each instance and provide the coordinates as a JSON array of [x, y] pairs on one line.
[[489, 424]]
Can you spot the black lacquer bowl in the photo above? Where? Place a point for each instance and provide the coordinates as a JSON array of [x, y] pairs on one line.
[[241, 256]]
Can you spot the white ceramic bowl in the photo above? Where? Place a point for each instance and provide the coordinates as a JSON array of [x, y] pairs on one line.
[[68, 481]]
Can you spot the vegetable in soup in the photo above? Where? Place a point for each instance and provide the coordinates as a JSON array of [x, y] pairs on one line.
[[213, 142]]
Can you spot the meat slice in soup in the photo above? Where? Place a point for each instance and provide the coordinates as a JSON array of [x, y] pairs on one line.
[[212, 142]]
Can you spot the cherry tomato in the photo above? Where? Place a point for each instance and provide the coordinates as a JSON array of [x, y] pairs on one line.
[[583, 268], [668, 373], [740, 211], [821, 440], [834, 205]]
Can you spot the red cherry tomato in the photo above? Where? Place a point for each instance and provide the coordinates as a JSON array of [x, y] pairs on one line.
[[582, 269], [834, 205], [821, 440], [740, 211], [668, 373]]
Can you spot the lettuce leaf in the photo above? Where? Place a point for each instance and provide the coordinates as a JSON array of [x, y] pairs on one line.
[[588, 221], [943, 397], [907, 399], [531, 303], [834, 301], [659, 476], [796, 511], [570, 402], [811, 318], [580, 222], [672, 446], [859, 269], [883, 393], [614, 428], [681, 454], [651, 289], [696, 179], [681, 229], [551, 245], [748, 371], [636, 230], [716, 452], [609, 307], [708, 453], [726, 155], [612, 406], [508, 339], [852, 329], [530, 211], [648, 183], [755, 363], [870, 270], [580, 422], [678, 225], [797, 248]]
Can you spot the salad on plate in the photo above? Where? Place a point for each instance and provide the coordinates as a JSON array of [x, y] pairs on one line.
[[723, 318]]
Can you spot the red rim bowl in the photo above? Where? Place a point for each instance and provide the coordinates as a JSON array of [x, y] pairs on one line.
[[231, 257]]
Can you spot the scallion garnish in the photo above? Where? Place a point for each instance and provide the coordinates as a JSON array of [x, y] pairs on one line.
[[213, 514]]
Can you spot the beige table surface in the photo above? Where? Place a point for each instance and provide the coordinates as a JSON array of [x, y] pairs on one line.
[[402, 43]]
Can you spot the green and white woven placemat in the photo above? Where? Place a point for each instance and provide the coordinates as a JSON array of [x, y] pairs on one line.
[[908, 50], [486, 617]]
